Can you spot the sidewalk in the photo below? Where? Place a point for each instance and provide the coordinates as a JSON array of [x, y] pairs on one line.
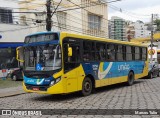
[[6, 92]]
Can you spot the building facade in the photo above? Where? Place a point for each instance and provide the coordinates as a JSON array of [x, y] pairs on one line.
[[117, 28], [87, 17], [141, 30], [10, 28]]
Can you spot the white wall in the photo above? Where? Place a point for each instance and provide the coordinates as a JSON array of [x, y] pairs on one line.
[[141, 30], [14, 33]]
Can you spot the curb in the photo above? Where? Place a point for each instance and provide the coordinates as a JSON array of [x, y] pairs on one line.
[[10, 94]]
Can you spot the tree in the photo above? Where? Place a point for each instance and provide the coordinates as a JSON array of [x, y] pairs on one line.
[[157, 22]]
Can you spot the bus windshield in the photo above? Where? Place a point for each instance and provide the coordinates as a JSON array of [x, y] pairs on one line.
[[42, 57]]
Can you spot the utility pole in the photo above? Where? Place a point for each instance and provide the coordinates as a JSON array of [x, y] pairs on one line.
[[152, 38], [49, 16]]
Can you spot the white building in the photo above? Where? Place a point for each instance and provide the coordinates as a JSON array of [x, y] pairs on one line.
[[90, 19], [10, 28], [141, 30]]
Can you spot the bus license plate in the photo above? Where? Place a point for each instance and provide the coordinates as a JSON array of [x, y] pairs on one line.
[[35, 89]]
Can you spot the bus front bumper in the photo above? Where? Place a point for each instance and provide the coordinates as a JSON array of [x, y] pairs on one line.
[[55, 89]]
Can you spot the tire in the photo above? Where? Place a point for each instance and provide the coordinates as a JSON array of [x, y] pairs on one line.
[[87, 86], [130, 79], [151, 75], [14, 77], [158, 74]]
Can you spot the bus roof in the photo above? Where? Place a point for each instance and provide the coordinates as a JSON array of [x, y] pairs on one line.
[[103, 39], [39, 33], [90, 38]]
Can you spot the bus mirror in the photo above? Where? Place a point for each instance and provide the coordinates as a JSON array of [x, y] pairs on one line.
[[69, 51], [19, 54]]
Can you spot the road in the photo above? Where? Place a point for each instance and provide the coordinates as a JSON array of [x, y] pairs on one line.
[[144, 94]]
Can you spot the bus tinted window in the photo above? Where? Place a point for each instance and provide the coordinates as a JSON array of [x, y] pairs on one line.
[[100, 51], [111, 52], [128, 53], [87, 55], [119, 53], [144, 54], [137, 53]]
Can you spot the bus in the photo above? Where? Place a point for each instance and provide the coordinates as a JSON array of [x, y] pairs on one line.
[[61, 62], [8, 60]]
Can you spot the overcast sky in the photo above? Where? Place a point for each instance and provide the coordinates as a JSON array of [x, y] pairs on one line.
[[134, 9]]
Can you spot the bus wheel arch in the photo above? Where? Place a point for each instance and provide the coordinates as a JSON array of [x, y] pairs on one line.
[[131, 78], [88, 85]]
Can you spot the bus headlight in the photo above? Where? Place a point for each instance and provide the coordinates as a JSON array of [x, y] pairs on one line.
[[55, 81], [58, 79], [52, 83]]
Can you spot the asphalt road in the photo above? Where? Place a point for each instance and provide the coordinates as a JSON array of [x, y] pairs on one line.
[[144, 94]]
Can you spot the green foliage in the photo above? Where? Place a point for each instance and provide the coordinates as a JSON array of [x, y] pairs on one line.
[[157, 22]]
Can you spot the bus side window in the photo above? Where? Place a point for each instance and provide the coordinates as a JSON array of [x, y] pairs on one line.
[[111, 52], [100, 51]]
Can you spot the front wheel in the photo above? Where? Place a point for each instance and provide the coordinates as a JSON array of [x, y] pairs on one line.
[[87, 86], [130, 79]]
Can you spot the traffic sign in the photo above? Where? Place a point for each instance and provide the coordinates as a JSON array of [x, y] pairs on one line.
[[151, 51]]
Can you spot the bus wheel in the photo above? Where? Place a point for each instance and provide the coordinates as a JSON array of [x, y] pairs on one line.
[[158, 74], [151, 76], [87, 86], [130, 79]]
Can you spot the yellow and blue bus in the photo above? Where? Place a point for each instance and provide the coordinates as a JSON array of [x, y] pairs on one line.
[[61, 62]]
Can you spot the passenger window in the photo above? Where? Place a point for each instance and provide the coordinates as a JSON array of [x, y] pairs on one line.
[[111, 52], [100, 51]]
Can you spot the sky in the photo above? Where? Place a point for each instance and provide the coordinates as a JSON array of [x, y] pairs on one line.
[[134, 9]]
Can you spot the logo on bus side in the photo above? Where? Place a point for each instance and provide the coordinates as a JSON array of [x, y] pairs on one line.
[[95, 67], [124, 67], [102, 73]]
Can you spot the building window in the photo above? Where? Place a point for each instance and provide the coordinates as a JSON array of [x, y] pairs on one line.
[[61, 16], [6, 16], [94, 22]]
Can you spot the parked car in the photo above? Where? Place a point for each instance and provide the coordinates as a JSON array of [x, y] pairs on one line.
[[154, 71], [16, 74]]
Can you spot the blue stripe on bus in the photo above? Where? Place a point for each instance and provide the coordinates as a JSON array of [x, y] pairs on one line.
[[112, 69], [12, 45]]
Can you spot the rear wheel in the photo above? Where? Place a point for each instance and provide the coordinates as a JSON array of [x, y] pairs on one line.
[[130, 79], [87, 86], [158, 74], [151, 76]]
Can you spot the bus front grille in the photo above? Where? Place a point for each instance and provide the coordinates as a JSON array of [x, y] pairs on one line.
[[39, 87]]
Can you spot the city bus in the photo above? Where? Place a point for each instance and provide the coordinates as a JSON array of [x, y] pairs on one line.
[[61, 62], [8, 60]]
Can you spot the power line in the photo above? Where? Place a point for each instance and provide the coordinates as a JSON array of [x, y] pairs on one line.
[[127, 12], [21, 28]]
